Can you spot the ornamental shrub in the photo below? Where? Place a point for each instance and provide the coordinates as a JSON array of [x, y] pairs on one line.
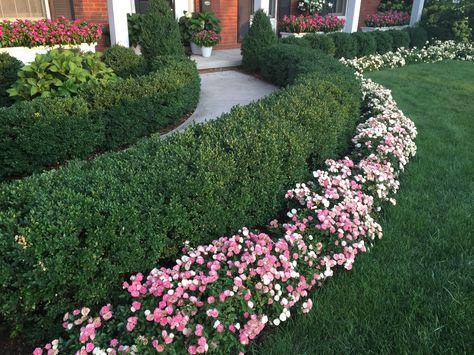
[[323, 43], [126, 211], [124, 61], [45, 131], [9, 67], [119, 113], [366, 43], [60, 73], [136, 107], [399, 39], [418, 36], [160, 31], [346, 45], [383, 40], [259, 37]]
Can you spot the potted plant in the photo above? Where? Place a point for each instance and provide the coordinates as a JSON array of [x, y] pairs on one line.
[[389, 20], [206, 39], [192, 23]]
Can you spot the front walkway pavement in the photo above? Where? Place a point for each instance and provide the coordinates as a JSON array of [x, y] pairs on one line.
[[220, 58], [220, 91]]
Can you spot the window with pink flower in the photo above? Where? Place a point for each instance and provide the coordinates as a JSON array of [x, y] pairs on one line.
[[23, 9]]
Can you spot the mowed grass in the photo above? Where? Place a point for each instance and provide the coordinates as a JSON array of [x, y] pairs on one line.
[[413, 293]]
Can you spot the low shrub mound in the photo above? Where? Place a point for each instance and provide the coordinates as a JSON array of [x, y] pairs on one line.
[[384, 41], [418, 36], [321, 42], [34, 135], [400, 39], [366, 43], [71, 235], [124, 62], [346, 45], [9, 67], [260, 36]]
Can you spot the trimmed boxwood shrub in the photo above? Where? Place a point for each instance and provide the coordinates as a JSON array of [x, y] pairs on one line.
[[136, 107], [384, 41], [42, 132], [9, 67], [366, 43], [160, 31], [124, 61], [259, 37], [399, 39], [126, 211], [323, 43], [418, 36], [346, 45], [125, 110]]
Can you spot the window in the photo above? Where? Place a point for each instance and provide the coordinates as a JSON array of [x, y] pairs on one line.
[[338, 7], [19, 9]]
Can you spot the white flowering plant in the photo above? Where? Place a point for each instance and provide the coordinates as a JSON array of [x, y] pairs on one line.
[[219, 297], [311, 6], [431, 53]]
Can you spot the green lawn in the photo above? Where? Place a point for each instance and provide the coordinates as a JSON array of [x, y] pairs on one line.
[[414, 293]]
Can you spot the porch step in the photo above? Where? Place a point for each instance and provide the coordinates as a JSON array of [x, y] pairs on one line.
[[220, 58]]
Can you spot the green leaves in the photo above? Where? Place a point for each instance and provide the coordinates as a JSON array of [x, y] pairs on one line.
[[59, 73]]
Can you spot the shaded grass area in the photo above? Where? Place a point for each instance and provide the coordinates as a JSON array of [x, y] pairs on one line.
[[414, 293]]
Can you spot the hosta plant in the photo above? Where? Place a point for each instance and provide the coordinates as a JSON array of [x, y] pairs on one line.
[[60, 73]]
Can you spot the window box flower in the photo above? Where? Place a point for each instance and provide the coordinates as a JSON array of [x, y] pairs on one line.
[[384, 21], [23, 39], [299, 26]]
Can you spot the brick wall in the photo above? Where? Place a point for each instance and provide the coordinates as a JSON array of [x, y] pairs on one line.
[[93, 11], [367, 7]]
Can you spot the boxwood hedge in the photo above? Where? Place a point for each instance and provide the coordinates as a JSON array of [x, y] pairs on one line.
[[42, 132], [69, 236]]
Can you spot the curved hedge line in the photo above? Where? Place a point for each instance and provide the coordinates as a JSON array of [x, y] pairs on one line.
[[43, 132], [70, 236]]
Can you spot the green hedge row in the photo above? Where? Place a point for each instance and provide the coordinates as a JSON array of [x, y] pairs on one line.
[[42, 132], [359, 44], [70, 236]]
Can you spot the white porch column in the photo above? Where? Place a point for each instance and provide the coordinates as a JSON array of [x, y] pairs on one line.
[[183, 5], [352, 16], [117, 11], [262, 4], [416, 11]]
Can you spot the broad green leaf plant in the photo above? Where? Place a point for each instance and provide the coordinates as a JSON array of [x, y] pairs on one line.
[[60, 73]]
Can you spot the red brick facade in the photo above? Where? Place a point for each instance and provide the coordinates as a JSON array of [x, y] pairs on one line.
[[93, 11], [367, 7]]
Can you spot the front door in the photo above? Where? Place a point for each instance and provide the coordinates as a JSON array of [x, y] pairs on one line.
[[245, 11]]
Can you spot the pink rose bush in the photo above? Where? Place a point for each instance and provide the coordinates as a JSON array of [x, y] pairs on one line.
[[221, 296], [60, 31], [311, 23], [388, 19]]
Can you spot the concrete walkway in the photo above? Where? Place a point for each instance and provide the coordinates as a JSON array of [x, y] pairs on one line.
[[220, 91], [220, 58]]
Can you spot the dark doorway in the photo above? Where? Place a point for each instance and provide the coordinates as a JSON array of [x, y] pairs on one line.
[[284, 9], [245, 10]]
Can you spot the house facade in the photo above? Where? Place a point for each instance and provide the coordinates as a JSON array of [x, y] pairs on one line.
[[235, 15]]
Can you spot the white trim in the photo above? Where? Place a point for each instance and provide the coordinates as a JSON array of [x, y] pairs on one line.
[[352, 15], [117, 11], [46, 8], [416, 11]]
